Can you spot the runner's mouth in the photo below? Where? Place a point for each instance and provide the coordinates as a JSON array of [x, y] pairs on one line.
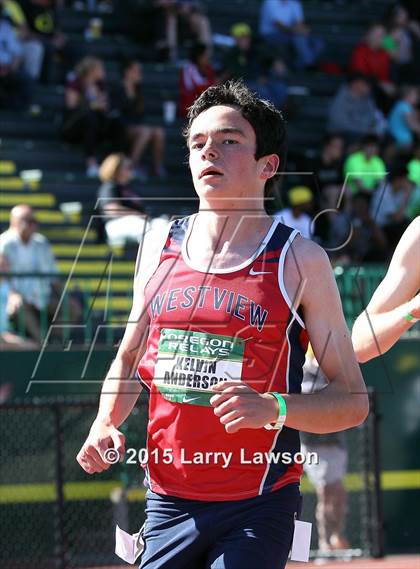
[[210, 172]]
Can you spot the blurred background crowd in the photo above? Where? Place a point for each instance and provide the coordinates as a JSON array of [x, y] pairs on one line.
[[92, 100]]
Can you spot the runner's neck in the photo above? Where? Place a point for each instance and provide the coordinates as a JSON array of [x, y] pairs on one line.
[[225, 240]]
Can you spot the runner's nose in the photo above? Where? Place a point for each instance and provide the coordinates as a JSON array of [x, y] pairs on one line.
[[208, 151]]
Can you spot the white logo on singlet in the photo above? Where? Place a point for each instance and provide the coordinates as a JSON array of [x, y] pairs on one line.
[[189, 399], [253, 273]]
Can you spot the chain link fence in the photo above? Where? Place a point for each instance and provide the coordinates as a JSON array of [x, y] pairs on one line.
[[54, 516], [363, 526]]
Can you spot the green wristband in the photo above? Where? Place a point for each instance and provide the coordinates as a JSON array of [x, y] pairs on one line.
[[409, 317], [282, 412], [282, 404]]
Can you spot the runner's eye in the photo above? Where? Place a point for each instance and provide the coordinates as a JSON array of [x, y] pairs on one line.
[[230, 141]]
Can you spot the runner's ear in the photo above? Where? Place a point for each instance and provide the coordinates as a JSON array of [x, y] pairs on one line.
[[270, 166]]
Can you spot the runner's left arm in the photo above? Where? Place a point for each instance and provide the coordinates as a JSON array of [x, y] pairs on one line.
[[344, 402]]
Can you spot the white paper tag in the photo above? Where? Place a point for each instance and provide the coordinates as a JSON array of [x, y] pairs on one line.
[[128, 547], [301, 541]]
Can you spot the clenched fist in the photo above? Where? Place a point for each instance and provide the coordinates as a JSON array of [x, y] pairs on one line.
[[104, 444], [238, 406]]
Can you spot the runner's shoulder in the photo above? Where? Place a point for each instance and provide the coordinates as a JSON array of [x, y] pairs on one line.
[[309, 255], [150, 249]]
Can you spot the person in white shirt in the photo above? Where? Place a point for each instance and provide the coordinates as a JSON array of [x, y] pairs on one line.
[[27, 251], [295, 216]]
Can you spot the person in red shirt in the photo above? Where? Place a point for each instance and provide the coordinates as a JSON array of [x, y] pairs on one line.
[[371, 59], [196, 75]]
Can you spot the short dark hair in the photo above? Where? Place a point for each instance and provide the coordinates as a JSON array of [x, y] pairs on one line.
[[370, 139], [197, 50], [268, 122], [362, 195], [127, 63], [329, 137], [357, 76], [398, 171]]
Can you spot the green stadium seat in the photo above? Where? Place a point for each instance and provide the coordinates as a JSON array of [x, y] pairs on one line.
[[34, 200]]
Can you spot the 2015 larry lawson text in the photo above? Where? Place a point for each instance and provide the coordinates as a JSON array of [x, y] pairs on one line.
[[221, 458]]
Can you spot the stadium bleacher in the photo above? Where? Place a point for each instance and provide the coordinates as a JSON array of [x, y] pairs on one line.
[[30, 141]]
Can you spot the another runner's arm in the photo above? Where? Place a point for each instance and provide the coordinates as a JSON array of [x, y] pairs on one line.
[[383, 322], [344, 402]]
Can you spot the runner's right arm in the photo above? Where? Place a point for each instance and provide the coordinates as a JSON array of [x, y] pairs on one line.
[[121, 389]]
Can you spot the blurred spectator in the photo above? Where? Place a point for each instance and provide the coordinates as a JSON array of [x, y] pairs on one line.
[[104, 6], [261, 72], [170, 13], [403, 120], [282, 25], [88, 117], [370, 59], [116, 192], [389, 205], [32, 49], [119, 202], [125, 219], [15, 84], [413, 8], [413, 166], [196, 75], [413, 207], [41, 19], [296, 216], [364, 170], [327, 169], [353, 112], [129, 100], [403, 33], [243, 58], [326, 181], [8, 339], [356, 235], [29, 251], [328, 474]]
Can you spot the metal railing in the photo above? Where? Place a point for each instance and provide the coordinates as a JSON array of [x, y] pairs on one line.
[[356, 286], [86, 289]]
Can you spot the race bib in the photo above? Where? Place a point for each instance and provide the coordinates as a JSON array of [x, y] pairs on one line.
[[189, 364]]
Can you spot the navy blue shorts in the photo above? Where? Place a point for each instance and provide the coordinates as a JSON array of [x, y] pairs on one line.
[[255, 533]]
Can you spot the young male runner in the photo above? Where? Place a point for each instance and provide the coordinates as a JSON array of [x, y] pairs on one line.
[[395, 305], [216, 332]]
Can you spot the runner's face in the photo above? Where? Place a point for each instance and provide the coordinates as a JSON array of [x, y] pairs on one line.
[[222, 148]]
